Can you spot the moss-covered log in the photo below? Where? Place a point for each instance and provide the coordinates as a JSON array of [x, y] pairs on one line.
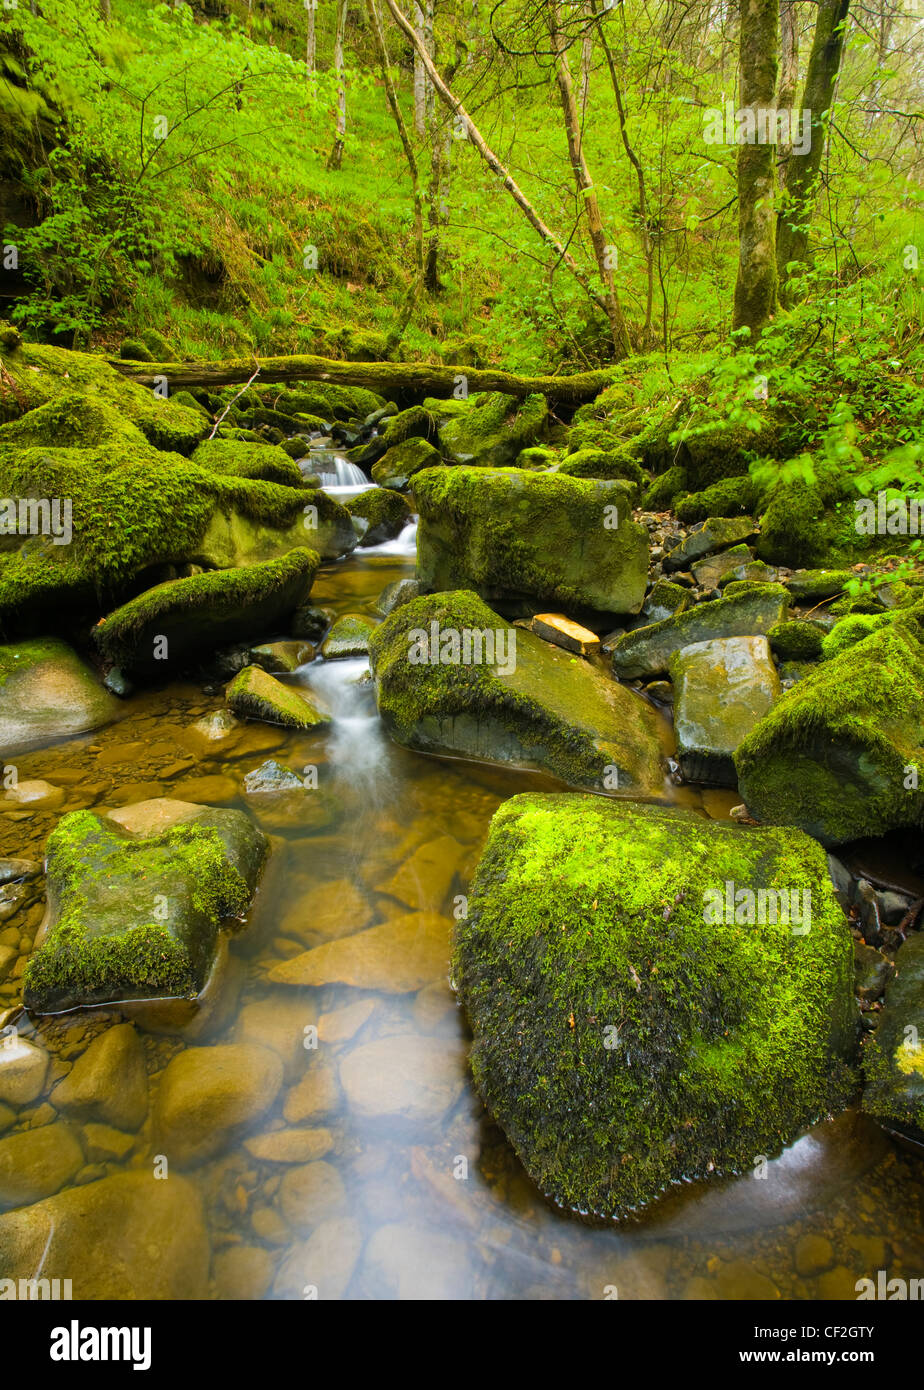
[[386, 378]]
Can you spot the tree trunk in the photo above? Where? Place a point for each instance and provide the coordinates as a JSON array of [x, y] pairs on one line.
[[789, 55], [508, 183], [420, 79], [756, 286], [311, 42], [402, 128], [603, 251], [800, 180], [386, 378], [336, 154]]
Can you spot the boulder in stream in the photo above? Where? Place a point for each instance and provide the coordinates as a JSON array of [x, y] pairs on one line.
[[721, 689], [135, 915], [381, 513], [255, 694], [166, 628], [841, 754], [47, 693], [529, 541], [646, 652], [452, 677], [653, 996]]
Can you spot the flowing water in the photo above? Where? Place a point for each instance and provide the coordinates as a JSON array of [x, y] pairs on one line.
[[375, 1172]]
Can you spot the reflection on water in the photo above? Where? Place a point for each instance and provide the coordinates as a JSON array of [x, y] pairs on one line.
[[367, 1168]]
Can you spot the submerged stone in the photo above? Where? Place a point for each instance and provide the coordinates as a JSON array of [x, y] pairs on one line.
[[255, 694], [893, 1059], [527, 541], [47, 693], [136, 917], [184, 620], [721, 689], [518, 700], [630, 1030], [646, 651], [208, 1095], [836, 755]]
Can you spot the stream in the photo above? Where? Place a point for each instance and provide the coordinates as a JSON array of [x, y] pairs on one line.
[[416, 1193]]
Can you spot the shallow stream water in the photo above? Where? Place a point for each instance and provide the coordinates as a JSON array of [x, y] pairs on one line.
[[408, 1189]]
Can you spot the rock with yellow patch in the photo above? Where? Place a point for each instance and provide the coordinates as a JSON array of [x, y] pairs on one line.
[[894, 1056], [398, 956]]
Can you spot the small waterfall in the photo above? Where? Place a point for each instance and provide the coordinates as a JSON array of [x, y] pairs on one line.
[[335, 471], [404, 544], [357, 745]]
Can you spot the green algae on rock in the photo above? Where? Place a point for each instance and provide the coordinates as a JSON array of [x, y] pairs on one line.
[[519, 700], [136, 917], [255, 694], [164, 628], [623, 1042], [893, 1057], [646, 651], [836, 755], [349, 636], [400, 463], [721, 689], [529, 541], [796, 641], [47, 693], [232, 458]]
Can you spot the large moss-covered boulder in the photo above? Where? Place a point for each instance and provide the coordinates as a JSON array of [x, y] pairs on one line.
[[841, 754], [136, 916], [530, 541], [74, 421], [183, 620], [629, 1032], [647, 651], [721, 689], [314, 518], [730, 497], [602, 463], [47, 693], [516, 700], [399, 463], [494, 428], [893, 1059]]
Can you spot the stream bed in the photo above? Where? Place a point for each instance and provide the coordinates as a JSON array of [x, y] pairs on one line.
[[375, 1172]]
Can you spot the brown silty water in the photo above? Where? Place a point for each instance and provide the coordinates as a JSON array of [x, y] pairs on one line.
[[374, 1171]]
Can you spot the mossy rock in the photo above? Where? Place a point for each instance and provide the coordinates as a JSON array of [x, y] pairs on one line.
[[623, 1042], [833, 756], [791, 528], [229, 458], [722, 451], [714, 534], [664, 601], [157, 345], [134, 350], [721, 689], [43, 374], [414, 423], [796, 641], [402, 461], [646, 652], [602, 463], [530, 541], [349, 636], [137, 917], [893, 1060], [47, 693], [324, 400], [235, 536], [74, 421], [494, 429], [726, 565], [850, 630], [530, 703], [255, 694], [188, 400], [730, 497], [537, 456], [165, 629], [385, 511], [664, 489], [811, 586]]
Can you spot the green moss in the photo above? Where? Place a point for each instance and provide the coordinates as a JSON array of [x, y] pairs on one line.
[[600, 463], [402, 461], [833, 754], [664, 489], [227, 457], [197, 614], [74, 421], [255, 694], [134, 350], [730, 497], [494, 428], [624, 1043], [137, 917], [851, 630], [795, 641], [386, 512], [791, 530]]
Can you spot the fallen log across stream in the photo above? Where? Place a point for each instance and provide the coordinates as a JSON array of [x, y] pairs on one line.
[[385, 378]]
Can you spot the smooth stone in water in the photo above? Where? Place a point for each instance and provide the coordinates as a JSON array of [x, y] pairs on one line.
[[721, 689], [403, 1076], [398, 956], [108, 1082], [210, 1094]]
